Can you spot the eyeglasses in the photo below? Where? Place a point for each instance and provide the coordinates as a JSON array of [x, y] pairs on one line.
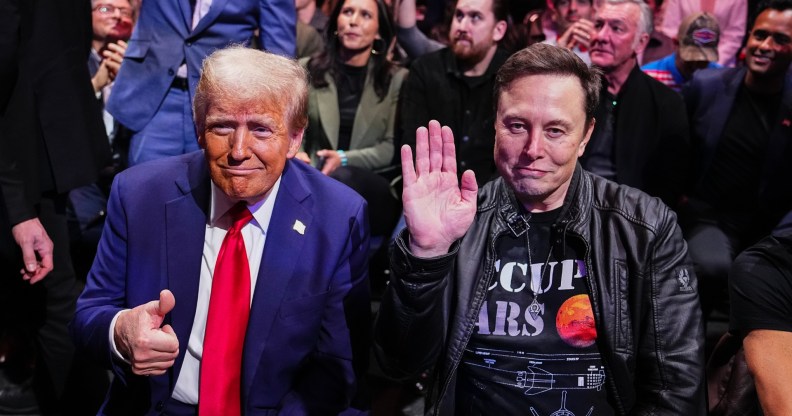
[[107, 10]]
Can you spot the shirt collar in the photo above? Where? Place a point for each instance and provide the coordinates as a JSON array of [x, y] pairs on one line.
[[262, 210]]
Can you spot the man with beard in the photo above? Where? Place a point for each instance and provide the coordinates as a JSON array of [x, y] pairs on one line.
[[741, 130], [454, 85], [641, 135]]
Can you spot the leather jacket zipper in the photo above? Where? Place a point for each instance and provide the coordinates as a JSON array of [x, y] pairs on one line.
[[595, 308]]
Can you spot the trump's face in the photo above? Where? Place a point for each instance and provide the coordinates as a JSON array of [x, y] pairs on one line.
[[246, 145]]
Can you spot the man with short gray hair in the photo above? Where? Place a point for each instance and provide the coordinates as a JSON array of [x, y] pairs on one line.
[[641, 136], [222, 284]]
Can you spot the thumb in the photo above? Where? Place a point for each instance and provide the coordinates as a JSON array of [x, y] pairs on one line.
[[166, 302], [469, 187], [29, 258], [157, 309]]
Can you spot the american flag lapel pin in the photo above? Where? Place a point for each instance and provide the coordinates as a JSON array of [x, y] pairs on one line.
[[299, 227]]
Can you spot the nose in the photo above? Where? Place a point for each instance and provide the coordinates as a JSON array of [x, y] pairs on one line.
[[464, 22], [534, 147], [600, 33], [767, 44], [239, 147], [573, 5]]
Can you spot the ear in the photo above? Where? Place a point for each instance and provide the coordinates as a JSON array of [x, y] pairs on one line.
[[202, 139], [295, 140], [643, 41], [499, 31], [586, 138]]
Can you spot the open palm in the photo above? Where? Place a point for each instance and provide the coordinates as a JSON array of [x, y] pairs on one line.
[[438, 211]]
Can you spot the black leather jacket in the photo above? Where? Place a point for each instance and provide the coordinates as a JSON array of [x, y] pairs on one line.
[[642, 289]]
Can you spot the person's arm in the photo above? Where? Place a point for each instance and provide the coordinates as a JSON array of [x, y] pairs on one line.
[[672, 17], [410, 326], [338, 363], [760, 291], [769, 357], [414, 42], [278, 27], [670, 348], [732, 32], [26, 229], [148, 348]]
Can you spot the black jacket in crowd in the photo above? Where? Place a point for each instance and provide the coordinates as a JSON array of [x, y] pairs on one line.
[[436, 89], [651, 147], [642, 289]]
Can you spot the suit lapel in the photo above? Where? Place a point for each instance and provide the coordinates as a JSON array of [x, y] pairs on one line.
[[366, 111], [327, 102], [214, 10], [281, 251], [185, 229], [186, 12]]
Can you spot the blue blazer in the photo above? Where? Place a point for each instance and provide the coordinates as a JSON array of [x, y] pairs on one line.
[[709, 99], [163, 39], [309, 319]]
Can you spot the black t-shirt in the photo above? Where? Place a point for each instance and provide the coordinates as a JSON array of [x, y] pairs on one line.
[[351, 80], [600, 150], [732, 181], [761, 287], [533, 350]]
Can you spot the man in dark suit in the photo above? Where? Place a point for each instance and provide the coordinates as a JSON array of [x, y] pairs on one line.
[[51, 141], [306, 287], [741, 122], [155, 86], [641, 136]]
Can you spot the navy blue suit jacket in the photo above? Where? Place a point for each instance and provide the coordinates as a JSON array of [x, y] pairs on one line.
[[709, 98], [163, 39], [311, 300]]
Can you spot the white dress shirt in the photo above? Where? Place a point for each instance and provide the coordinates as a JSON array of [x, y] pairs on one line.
[[254, 234]]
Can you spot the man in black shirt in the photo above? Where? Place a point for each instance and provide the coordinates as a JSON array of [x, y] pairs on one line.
[[760, 285], [454, 85], [550, 290], [641, 138], [740, 120]]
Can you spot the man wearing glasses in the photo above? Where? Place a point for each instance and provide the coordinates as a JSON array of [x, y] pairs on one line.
[[112, 26], [741, 123]]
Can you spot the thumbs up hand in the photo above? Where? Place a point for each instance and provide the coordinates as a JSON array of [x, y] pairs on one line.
[[149, 348]]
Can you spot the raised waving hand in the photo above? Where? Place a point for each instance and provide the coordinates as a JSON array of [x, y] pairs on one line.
[[437, 209]]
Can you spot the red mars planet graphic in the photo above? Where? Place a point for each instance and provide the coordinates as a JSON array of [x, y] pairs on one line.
[[575, 322]]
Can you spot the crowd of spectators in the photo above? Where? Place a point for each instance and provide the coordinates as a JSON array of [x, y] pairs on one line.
[[695, 108]]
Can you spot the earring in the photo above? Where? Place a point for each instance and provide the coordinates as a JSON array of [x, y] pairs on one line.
[[383, 49]]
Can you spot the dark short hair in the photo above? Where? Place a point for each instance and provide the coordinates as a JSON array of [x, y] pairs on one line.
[[500, 9], [328, 59], [779, 5], [544, 59]]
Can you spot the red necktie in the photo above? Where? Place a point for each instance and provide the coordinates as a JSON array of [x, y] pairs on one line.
[[226, 323]]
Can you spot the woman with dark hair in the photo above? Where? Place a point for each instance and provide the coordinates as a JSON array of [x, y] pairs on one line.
[[352, 105]]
